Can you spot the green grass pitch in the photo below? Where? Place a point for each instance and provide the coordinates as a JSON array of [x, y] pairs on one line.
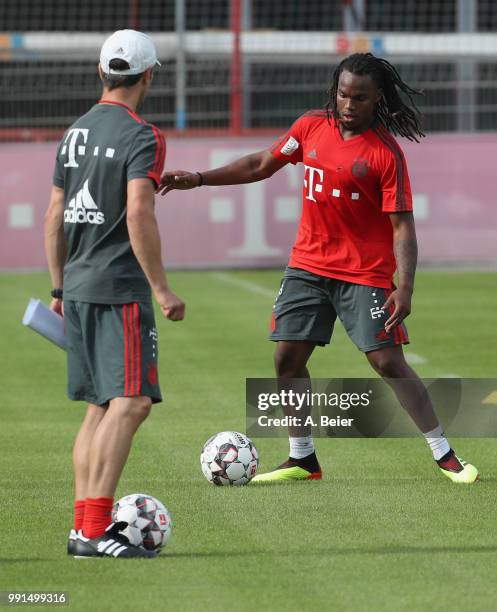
[[382, 531]]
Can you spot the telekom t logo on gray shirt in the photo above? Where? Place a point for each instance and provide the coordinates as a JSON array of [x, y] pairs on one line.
[[70, 146]]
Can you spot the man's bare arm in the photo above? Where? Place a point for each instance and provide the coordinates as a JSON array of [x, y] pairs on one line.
[[55, 244], [146, 244], [405, 248]]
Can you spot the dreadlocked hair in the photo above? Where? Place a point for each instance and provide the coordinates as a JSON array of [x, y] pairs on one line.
[[397, 117]]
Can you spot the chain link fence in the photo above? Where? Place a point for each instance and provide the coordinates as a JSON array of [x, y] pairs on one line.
[[288, 50]]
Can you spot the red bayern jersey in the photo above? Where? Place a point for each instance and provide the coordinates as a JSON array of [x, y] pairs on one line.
[[349, 188]]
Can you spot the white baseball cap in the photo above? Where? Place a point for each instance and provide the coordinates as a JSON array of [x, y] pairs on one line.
[[131, 46]]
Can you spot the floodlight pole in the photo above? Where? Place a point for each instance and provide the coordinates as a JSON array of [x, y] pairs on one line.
[[246, 93], [134, 14], [466, 70], [354, 13], [179, 19], [235, 97]]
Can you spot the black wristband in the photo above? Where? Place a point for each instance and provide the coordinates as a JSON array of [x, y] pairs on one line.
[[56, 293], [201, 179]]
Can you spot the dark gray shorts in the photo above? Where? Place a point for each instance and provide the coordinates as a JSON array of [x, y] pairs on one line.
[[307, 306], [112, 351]]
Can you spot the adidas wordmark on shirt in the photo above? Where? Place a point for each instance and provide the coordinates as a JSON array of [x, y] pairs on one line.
[[82, 208]]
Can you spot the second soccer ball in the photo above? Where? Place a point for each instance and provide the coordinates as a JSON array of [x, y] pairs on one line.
[[229, 458]]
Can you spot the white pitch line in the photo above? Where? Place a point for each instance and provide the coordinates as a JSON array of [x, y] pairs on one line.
[[244, 284], [414, 358]]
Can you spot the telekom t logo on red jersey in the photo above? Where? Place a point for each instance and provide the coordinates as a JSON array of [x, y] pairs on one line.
[[312, 182]]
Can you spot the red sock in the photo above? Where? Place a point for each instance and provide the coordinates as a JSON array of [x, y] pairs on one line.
[[79, 513], [97, 516]]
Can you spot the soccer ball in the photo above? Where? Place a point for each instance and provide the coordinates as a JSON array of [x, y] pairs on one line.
[[149, 522], [229, 458]]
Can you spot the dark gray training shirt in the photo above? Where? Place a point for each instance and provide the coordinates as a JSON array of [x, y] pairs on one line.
[[96, 158]]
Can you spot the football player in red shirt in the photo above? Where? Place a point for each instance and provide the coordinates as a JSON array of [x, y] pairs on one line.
[[356, 228]]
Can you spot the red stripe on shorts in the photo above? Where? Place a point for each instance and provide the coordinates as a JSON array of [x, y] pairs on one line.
[[403, 334], [390, 310], [395, 330], [399, 331], [126, 350], [396, 335], [132, 344], [136, 309]]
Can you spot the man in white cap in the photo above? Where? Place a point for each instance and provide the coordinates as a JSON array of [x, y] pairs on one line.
[[104, 256]]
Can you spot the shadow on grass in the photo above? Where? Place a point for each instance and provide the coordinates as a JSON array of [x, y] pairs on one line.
[[330, 552], [324, 552], [24, 560]]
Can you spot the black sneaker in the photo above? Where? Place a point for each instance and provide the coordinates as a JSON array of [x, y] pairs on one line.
[[71, 542], [110, 544]]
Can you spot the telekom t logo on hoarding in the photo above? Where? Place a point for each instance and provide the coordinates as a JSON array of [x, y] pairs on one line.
[[253, 210]]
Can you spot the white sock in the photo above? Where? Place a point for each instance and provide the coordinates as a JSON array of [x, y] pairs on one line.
[[301, 447], [437, 442]]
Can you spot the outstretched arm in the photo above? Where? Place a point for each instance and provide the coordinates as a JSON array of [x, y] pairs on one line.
[[248, 169], [405, 249]]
